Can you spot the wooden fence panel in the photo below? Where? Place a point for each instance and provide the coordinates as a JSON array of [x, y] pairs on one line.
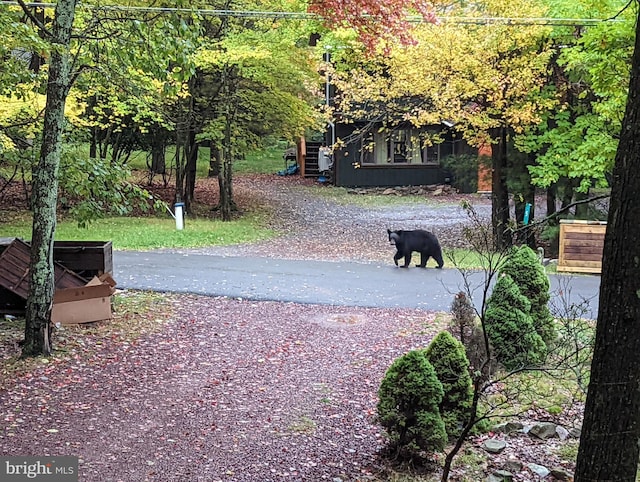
[[581, 245]]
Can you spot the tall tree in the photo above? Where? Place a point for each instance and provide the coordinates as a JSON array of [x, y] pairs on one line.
[[486, 79], [45, 187], [577, 140], [258, 78], [374, 21], [609, 446]]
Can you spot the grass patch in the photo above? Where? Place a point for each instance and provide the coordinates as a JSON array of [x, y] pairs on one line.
[[153, 233], [303, 425], [264, 161], [473, 462], [463, 258], [530, 389], [568, 450]]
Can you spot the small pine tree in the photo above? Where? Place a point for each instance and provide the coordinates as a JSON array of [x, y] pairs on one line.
[[447, 355], [525, 269], [409, 396], [464, 316], [510, 327]]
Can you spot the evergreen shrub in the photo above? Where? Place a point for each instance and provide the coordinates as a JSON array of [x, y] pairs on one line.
[[524, 267], [409, 397], [510, 328], [463, 317], [448, 358]]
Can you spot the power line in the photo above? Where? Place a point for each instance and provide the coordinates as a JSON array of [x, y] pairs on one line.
[[309, 16]]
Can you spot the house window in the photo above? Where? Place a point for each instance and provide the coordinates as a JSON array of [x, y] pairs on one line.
[[431, 154], [401, 146]]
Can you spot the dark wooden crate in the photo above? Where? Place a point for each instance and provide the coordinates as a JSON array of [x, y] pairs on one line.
[[14, 276], [87, 258]]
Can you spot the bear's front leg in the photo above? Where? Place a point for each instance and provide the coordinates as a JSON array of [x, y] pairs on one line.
[[396, 257], [407, 260]]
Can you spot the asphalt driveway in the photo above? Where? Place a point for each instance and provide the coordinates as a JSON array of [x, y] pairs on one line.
[[330, 252], [319, 282]]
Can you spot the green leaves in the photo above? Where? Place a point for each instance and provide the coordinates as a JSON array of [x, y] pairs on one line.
[[95, 188], [579, 139], [409, 397]]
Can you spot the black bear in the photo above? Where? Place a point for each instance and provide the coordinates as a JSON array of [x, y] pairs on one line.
[[424, 242]]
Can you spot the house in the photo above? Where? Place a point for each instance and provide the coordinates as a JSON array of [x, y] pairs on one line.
[[367, 155], [402, 156], [372, 146]]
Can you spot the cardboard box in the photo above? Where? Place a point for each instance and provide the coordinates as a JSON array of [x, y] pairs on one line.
[[91, 302]]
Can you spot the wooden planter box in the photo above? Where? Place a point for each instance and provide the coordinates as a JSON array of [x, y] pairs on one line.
[[87, 258], [581, 246]]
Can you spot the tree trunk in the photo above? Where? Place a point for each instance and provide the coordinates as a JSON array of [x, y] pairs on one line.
[[224, 178], [181, 155], [611, 428], [554, 243], [158, 164], [583, 211], [191, 170], [36, 59], [551, 200], [45, 189], [500, 192], [214, 161], [525, 194]]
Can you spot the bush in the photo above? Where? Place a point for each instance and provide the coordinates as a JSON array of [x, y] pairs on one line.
[[409, 397], [464, 169], [523, 266], [448, 358], [510, 328], [464, 316]]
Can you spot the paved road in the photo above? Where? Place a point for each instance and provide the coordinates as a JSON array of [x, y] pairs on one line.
[[318, 282]]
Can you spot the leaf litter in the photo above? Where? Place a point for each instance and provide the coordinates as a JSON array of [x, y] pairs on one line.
[[226, 390]]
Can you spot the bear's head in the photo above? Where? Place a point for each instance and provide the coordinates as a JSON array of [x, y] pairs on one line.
[[394, 236]]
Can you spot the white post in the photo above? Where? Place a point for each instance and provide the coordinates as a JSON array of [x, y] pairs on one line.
[[179, 215]]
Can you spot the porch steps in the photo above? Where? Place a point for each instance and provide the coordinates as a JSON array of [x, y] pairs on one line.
[[311, 159]]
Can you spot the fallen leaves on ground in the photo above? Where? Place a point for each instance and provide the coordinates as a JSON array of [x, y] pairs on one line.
[[227, 390]]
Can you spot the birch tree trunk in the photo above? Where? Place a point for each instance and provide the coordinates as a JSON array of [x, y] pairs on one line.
[[45, 189], [611, 428]]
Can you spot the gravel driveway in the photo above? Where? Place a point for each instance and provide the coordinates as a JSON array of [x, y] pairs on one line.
[[229, 390], [315, 227]]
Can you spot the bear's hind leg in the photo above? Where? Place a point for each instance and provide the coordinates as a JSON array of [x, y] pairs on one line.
[[423, 260], [439, 260]]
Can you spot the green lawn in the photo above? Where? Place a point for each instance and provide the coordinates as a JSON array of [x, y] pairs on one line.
[[152, 233], [265, 161]]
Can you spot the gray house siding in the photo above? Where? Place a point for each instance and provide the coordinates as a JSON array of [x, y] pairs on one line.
[[350, 171], [348, 175]]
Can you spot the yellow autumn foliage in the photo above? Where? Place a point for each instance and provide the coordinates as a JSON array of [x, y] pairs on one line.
[[477, 75]]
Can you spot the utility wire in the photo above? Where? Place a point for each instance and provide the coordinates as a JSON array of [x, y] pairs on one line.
[[309, 16]]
